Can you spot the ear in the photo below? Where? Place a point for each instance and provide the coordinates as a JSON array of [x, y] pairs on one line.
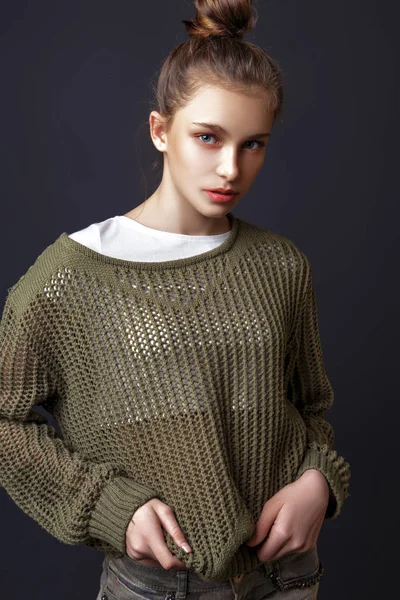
[[158, 130]]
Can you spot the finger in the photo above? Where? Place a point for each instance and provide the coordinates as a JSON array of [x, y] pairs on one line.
[[274, 545], [170, 524], [262, 530], [162, 553], [273, 551], [266, 521]]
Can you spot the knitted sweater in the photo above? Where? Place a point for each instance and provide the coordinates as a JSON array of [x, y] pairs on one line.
[[199, 381]]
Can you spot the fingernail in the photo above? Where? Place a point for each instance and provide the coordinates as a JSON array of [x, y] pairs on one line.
[[186, 548]]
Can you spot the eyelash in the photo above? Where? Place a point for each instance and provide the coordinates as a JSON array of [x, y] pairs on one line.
[[261, 144]]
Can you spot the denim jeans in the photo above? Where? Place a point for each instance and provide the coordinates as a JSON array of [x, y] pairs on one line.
[[294, 576]]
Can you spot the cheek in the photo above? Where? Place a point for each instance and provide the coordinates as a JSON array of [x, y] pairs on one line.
[[255, 165], [192, 158]]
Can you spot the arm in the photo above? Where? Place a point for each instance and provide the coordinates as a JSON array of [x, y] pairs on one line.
[[309, 389], [75, 500]]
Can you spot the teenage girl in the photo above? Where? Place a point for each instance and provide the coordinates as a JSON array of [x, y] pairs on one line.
[[182, 460]]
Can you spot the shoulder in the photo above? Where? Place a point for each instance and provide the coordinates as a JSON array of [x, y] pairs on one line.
[[277, 248], [42, 278]]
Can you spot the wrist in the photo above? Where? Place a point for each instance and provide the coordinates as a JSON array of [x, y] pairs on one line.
[[316, 475]]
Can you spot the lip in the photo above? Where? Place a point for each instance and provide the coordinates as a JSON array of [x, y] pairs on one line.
[[222, 190], [218, 197]]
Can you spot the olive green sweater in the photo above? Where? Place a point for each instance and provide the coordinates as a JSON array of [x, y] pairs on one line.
[[199, 381]]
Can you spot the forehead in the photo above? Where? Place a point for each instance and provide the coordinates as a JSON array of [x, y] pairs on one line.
[[234, 111]]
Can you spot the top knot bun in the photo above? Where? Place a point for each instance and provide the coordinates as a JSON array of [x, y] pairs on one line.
[[225, 18]]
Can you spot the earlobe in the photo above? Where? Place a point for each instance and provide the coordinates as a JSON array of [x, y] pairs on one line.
[[158, 142]]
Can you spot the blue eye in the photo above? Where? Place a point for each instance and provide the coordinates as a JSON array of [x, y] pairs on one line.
[[206, 135], [209, 135]]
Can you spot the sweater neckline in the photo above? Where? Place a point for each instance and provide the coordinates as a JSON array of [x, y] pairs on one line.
[[226, 245]]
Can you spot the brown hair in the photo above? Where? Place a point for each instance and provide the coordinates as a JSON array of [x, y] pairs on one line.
[[216, 54]]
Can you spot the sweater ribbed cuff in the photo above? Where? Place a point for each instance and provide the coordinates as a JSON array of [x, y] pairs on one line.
[[335, 471], [118, 501]]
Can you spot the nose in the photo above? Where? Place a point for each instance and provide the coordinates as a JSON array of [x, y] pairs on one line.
[[228, 167]]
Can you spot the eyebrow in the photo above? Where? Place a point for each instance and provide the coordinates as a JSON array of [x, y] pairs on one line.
[[219, 129]]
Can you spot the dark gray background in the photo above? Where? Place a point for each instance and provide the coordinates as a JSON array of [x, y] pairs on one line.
[[75, 149]]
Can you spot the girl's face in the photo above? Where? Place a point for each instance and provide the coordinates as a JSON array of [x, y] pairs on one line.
[[200, 157]]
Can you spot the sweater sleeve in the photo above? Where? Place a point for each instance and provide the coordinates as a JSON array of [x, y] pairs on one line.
[[75, 500], [309, 388]]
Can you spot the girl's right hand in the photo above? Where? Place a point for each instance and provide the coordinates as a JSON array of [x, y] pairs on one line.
[[145, 539]]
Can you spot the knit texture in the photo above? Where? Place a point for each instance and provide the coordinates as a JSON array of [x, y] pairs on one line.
[[199, 381]]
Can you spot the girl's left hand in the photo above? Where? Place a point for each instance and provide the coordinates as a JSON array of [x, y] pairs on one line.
[[291, 520]]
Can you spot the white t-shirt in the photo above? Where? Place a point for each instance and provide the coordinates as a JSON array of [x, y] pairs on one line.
[[122, 237]]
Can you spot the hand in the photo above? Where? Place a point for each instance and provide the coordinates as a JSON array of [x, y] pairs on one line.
[[291, 520], [145, 539]]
